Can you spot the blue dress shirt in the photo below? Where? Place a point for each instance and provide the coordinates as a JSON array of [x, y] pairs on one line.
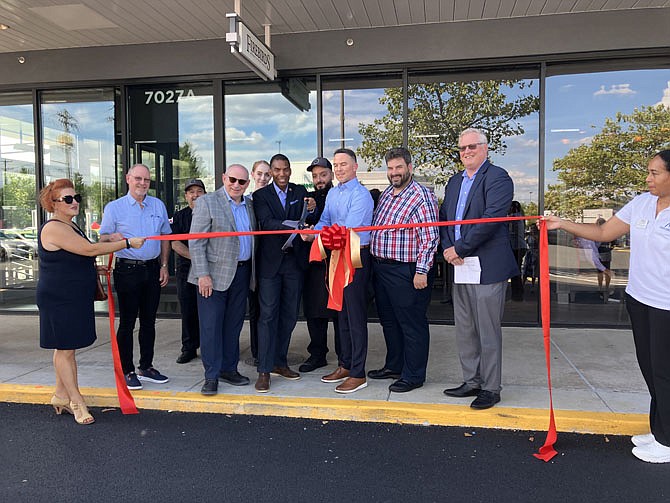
[[125, 215], [348, 204], [466, 185], [242, 224]]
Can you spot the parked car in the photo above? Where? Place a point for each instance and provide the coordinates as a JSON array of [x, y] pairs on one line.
[[14, 245]]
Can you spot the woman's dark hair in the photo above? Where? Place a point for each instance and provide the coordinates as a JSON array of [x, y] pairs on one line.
[[665, 157], [515, 207], [52, 191]]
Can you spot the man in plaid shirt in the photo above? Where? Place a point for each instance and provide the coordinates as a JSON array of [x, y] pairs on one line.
[[403, 272]]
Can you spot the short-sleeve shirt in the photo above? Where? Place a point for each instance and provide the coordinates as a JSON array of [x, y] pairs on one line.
[[649, 267], [125, 215]]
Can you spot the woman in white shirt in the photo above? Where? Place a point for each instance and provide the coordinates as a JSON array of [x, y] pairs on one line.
[[647, 218]]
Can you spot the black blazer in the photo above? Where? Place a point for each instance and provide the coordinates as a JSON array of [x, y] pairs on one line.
[[490, 196], [270, 214]]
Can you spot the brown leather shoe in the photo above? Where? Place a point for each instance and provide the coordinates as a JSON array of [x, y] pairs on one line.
[[263, 383], [286, 373], [352, 384], [339, 375]]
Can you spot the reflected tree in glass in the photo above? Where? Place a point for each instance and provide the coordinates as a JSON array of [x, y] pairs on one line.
[[611, 169], [438, 112]]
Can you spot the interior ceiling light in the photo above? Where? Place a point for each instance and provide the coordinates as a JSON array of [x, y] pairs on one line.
[[4, 26]]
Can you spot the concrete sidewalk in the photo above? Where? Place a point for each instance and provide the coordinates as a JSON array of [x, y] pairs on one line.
[[597, 386]]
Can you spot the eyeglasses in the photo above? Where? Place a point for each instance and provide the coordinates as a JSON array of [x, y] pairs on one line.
[[472, 146], [68, 199], [139, 179], [241, 181]]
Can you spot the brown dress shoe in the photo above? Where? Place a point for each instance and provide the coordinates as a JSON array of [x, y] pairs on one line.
[[263, 383], [339, 375], [352, 384], [286, 373]]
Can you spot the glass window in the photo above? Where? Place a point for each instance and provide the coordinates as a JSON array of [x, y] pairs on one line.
[[18, 215], [261, 122], [78, 142], [601, 130], [506, 107], [172, 133]]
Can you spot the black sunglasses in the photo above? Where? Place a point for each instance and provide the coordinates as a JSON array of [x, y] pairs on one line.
[[241, 181], [472, 146], [68, 199]]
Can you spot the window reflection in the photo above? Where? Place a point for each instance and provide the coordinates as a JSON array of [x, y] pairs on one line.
[[78, 143], [260, 122], [602, 129], [18, 214]]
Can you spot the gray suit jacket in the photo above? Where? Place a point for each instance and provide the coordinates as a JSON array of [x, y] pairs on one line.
[[217, 257]]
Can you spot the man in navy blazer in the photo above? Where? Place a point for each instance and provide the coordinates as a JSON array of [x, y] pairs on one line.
[[280, 273], [482, 190]]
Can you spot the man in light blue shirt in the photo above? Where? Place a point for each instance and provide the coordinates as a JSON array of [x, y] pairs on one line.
[[350, 205], [139, 274]]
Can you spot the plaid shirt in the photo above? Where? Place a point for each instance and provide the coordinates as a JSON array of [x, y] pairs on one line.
[[414, 204]]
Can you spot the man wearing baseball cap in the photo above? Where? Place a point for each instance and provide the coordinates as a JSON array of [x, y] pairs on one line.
[[314, 293], [186, 292]]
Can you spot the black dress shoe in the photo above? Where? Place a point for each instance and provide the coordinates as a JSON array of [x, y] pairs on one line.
[[384, 373], [311, 365], [485, 400], [402, 386], [462, 391], [186, 356], [210, 387], [234, 378]]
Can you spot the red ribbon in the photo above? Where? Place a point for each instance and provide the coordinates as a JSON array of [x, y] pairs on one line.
[[338, 239], [126, 401], [547, 451]]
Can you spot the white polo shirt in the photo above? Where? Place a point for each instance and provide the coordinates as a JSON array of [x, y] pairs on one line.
[[649, 269]]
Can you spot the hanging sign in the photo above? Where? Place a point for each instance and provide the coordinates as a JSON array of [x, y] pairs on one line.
[[249, 49]]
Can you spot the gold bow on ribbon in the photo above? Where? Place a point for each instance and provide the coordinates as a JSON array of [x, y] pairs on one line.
[[345, 257]]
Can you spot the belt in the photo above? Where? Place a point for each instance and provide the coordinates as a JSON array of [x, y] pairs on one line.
[[131, 261], [388, 261], [365, 246], [242, 263]]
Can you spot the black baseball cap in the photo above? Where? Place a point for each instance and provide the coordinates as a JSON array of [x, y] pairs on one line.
[[320, 161], [194, 181]]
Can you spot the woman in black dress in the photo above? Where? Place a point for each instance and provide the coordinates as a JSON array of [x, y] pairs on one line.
[[66, 289]]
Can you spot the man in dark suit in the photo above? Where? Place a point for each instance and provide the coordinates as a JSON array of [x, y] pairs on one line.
[[482, 190], [315, 294], [223, 271], [280, 273], [186, 292]]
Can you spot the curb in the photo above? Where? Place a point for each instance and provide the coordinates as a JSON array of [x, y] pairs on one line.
[[605, 423]]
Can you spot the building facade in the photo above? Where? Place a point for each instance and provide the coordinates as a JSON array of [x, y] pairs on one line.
[[574, 101]]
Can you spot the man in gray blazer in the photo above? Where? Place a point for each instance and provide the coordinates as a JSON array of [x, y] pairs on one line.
[[223, 270]]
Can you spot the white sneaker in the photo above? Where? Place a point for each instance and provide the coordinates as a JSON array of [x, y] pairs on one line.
[[652, 453], [639, 440]]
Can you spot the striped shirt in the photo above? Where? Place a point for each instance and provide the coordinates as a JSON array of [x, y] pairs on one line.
[[414, 204]]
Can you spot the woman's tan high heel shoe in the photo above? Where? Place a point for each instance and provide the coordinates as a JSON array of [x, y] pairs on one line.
[[61, 404], [81, 414]]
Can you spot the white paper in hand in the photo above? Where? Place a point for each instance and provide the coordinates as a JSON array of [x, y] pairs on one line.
[[468, 273]]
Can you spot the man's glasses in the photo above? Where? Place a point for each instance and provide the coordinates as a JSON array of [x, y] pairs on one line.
[[68, 199], [472, 146], [139, 179], [241, 181]]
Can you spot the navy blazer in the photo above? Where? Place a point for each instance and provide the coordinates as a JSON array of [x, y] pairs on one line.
[[491, 196], [270, 214]]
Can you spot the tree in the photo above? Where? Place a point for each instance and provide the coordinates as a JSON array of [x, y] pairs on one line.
[[438, 112], [610, 170], [189, 162], [18, 198]]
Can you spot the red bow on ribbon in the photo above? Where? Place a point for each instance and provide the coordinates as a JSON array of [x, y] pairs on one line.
[[344, 259], [334, 237]]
